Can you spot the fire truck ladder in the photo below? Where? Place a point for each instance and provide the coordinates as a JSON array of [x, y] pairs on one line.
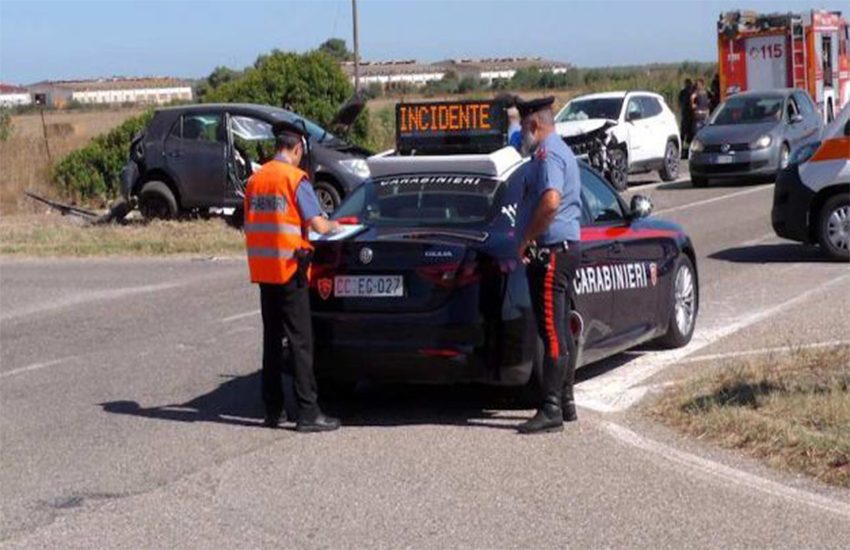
[[799, 55]]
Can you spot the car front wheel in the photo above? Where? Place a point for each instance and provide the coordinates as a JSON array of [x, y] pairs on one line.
[[618, 169], [684, 305], [834, 227], [328, 196], [784, 156]]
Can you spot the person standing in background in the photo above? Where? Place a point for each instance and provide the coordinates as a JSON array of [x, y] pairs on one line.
[[686, 113], [701, 105]]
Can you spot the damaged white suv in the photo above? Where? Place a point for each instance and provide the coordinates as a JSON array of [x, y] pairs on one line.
[[619, 133]]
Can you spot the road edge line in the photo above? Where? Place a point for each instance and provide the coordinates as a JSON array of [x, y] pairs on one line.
[[726, 473]]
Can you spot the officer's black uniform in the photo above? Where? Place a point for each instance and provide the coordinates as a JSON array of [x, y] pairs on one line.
[[553, 261]]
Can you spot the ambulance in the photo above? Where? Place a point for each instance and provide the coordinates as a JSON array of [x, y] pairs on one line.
[[786, 50], [811, 201]]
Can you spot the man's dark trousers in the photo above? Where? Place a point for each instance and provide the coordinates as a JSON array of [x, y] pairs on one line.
[[286, 313], [549, 281]]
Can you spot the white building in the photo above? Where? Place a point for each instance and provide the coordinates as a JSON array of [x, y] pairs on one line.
[[411, 72], [148, 91], [390, 73], [14, 96]]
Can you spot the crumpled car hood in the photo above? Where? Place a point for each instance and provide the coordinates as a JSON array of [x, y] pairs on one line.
[[578, 127]]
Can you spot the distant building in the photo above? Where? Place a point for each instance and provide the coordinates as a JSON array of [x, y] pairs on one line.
[[113, 91], [394, 73], [493, 68], [411, 72], [14, 96]]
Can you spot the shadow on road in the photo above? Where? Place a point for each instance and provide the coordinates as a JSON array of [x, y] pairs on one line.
[[770, 253], [237, 402]]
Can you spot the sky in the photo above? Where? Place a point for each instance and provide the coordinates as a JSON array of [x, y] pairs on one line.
[[65, 39]]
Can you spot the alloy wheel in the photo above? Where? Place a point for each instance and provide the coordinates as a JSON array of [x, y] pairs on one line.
[[838, 227], [685, 300], [784, 156], [672, 160], [326, 200]]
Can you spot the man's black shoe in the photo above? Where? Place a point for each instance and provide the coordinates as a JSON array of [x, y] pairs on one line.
[[320, 423], [543, 422], [274, 420], [569, 410]]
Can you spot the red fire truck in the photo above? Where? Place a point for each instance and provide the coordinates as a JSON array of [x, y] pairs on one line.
[[786, 50]]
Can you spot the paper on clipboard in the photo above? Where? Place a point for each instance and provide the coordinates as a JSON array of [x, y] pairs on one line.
[[345, 232]]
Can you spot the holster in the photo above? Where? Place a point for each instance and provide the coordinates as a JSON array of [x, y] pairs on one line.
[[303, 256]]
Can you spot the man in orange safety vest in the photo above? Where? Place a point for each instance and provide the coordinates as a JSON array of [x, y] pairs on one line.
[[280, 208]]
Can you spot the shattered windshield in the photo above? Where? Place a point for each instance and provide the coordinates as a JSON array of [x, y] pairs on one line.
[[583, 109]]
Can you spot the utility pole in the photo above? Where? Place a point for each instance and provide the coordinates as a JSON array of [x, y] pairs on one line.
[[356, 48]]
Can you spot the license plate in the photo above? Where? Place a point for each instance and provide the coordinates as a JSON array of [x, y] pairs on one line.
[[369, 286], [724, 159]]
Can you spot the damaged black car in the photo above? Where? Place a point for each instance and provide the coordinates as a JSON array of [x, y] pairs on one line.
[[198, 158]]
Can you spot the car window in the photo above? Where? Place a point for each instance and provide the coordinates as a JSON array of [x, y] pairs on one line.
[[649, 106], [252, 138], [791, 109], [599, 199], [804, 104], [748, 109], [201, 127], [633, 107], [424, 200]]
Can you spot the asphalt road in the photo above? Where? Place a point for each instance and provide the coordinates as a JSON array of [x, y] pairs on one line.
[[129, 418]]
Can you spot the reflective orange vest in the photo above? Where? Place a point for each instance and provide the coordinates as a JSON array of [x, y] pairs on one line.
[[273, 226]]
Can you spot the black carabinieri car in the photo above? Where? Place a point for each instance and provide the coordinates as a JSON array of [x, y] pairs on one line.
[[427, 286]]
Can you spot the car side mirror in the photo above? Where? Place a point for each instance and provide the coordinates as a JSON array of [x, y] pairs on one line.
[[796, 119], [641, 206]]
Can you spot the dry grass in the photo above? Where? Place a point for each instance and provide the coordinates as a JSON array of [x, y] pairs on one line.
[[23, 158], [792, 411], [54, 235]]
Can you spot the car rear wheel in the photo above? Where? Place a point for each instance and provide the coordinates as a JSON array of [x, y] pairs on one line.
[[157, 202], [699, 181], [328, 196], [618, 169], [684, 305], [670, 170], [834, 227]]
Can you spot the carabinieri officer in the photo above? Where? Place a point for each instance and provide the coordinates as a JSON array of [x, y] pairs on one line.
[[550, 215], [280, 207]]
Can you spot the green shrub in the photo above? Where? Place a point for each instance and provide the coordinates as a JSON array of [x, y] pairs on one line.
[[6, 126], [94, 170], [310, 84]]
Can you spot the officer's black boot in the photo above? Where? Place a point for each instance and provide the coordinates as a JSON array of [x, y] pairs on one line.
[[568, 404], [317, 422], [549, 417]]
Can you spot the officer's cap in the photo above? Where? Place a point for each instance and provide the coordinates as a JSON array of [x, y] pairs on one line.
[[534, 105], [285, 127]]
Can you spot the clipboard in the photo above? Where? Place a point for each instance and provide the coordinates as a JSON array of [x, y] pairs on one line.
[[345, 232]]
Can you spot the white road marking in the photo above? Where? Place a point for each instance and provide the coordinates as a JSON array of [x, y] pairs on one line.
[[240, 316], [34, 366], [620, 388], [765, 351], [714, 199], [730, 475]]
